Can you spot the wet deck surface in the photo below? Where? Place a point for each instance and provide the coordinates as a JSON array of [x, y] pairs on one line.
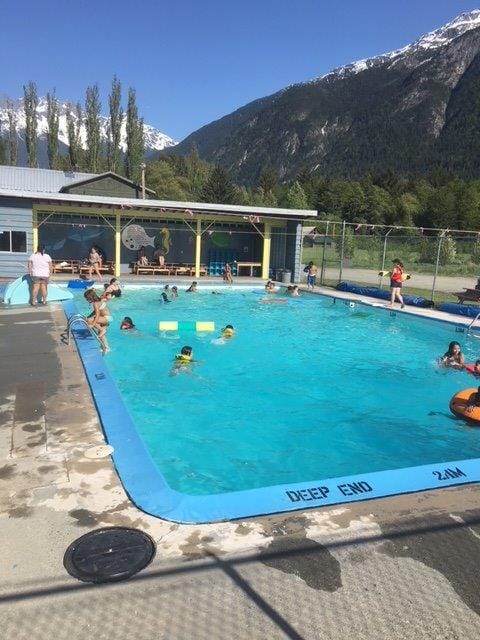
[[404, 567]]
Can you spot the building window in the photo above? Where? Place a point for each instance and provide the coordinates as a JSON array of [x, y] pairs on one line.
[[13, 241]]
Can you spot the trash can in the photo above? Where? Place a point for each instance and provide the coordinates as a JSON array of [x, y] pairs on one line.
[[286, 276], [278, 275]]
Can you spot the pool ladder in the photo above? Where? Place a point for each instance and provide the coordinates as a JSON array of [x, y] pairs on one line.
[[77, 317], [470, 326]]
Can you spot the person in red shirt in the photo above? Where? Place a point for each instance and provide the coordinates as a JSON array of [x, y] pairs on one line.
[[396, 282]]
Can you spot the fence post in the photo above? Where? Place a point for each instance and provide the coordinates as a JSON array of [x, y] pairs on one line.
[[440, 239], [322, 271], [384, 254], [342, 252]]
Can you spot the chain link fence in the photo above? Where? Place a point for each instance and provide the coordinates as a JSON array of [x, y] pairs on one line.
[[440, 261]]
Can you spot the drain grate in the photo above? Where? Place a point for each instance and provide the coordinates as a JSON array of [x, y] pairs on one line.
[[109, 554]]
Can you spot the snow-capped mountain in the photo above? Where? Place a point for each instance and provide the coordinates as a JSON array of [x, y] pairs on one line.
[[427, 43], [411, 109], [155, 140]]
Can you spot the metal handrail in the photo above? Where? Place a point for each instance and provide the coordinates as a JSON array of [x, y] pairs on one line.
[[472, 323], [77, 317]]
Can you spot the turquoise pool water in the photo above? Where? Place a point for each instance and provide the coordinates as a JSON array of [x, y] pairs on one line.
[[306, 390]]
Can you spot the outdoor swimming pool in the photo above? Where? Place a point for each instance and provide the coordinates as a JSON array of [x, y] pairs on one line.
[[305, 391]]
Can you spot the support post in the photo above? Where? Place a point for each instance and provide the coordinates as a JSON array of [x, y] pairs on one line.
[[198, 247], [34, 231], [342, 252], [267, 241], [440, 240], [118, 245], [384, 255], [322, 270]]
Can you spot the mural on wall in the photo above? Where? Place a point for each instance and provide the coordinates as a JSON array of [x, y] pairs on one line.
[[72, 241], [134, 236]]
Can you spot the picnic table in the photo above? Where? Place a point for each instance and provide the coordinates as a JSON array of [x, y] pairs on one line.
[[473, 295]]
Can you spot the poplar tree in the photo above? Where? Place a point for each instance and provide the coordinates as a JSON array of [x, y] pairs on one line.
[[92, 124], [52, 132], [30, 103], [12, 134], [135, 139], [114, 125], [74, 125], [3, 151]]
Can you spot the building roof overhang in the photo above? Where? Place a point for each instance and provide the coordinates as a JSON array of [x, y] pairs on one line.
[[156, 208]]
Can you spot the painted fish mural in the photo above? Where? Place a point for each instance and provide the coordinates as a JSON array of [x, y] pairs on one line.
[[134, 237]]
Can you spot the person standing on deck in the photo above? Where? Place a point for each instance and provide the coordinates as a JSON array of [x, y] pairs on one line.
[[311, 271], [396, 282], [40, 270]]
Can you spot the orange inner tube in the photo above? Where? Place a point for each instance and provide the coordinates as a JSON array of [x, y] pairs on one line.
[[459, 403]]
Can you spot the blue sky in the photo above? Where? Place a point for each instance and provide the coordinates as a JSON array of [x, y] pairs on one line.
[[192, 62]]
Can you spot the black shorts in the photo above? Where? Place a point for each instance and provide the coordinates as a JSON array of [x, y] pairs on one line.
[[395, 285]]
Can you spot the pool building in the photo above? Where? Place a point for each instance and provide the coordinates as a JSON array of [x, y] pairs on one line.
[[68, 212]]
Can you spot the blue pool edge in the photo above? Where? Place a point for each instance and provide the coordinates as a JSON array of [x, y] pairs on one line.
[[149, 491]]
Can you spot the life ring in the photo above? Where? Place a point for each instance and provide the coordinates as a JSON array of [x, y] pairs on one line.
[[459, 403]]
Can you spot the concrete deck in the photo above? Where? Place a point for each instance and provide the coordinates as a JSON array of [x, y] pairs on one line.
[[404, 567]]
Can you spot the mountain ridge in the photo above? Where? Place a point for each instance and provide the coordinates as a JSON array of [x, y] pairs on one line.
[[388, 110]]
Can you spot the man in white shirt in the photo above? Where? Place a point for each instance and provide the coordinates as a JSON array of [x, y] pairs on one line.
[[40, 269]]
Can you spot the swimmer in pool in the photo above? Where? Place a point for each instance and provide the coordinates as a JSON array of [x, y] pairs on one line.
[[165, 298], [454, 357], [227, 332], [127, 323], [270, 287], [183, 361], [192, 288], [174, 292]]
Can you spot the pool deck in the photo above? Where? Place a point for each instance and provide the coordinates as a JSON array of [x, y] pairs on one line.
[[400, 567]]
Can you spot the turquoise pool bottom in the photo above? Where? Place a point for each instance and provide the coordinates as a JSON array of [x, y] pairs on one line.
[[147, 488], [305, 390]]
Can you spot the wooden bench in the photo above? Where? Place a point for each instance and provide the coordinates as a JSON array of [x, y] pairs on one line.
[[106, 267], [65, 266], [152, 269], [473, 295]]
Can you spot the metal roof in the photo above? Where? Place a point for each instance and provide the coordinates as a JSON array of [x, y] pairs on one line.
[[190, 208], [38, 180]]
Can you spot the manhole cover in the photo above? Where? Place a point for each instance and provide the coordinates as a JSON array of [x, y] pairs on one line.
[[100, 451], [108, 555]]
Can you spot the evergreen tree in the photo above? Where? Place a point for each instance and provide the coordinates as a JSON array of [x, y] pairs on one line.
[[296, 198], [52, 132], [30, 103], [114, 125], [135, 139], [268, 179], [218, 188], [92, 124], [12, 134], [197, 173]]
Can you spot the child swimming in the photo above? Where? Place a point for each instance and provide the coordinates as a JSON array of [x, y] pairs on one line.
[[454, 357], [127, 323], [165, 298], [228, 331], [182, 361]]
